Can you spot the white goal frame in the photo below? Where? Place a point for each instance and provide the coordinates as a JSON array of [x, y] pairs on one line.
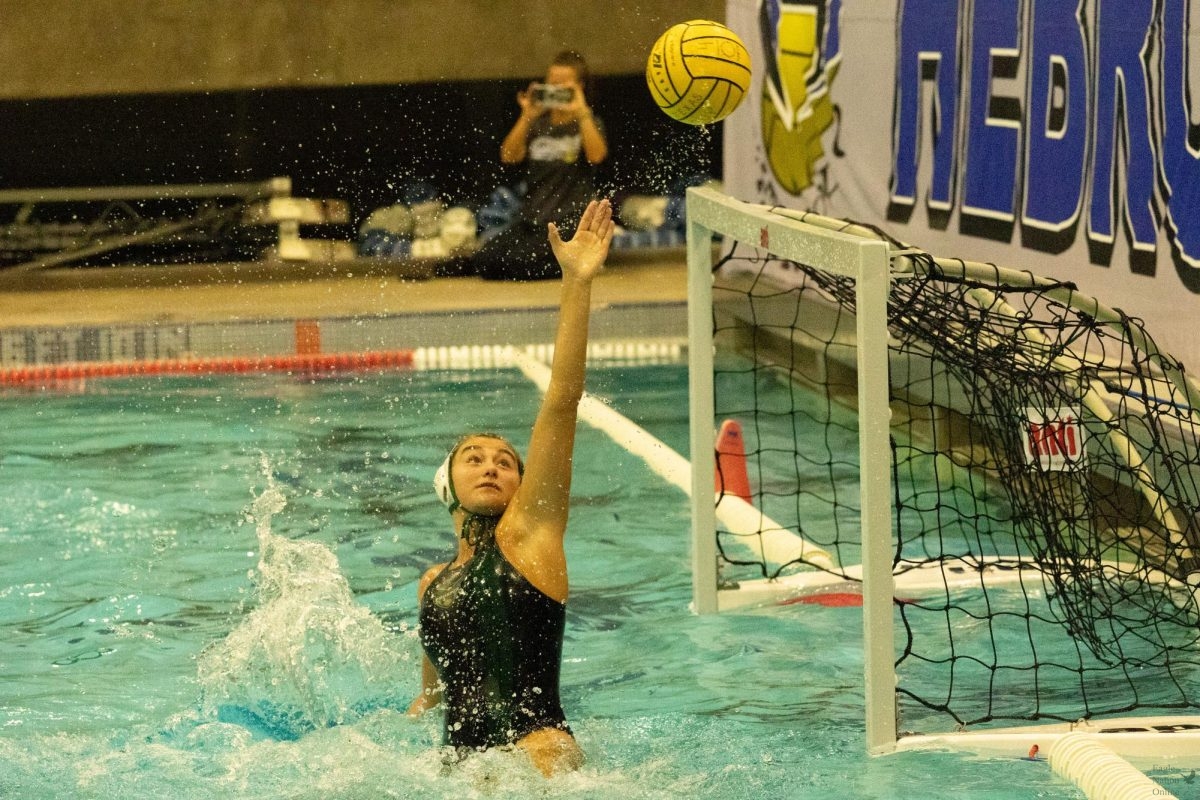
[[1082, 747]]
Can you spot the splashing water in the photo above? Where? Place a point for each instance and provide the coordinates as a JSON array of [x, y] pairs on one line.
[[308, 656]]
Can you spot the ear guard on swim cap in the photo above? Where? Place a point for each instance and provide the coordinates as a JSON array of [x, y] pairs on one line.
[[444, 486]]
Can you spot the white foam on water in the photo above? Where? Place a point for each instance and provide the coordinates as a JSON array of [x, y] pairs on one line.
[[308, 656]]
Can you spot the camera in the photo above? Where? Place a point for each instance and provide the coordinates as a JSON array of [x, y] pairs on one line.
[[552, 96]]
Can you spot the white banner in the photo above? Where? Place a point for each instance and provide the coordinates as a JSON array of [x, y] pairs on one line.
[[1056, 136]]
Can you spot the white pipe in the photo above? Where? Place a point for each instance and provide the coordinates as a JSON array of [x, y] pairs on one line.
[[778, 544], [1100, 773]]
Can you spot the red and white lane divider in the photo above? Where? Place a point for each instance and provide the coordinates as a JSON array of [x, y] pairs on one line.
[[305, 363]]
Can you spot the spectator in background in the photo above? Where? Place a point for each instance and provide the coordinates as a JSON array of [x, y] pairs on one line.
[[559, 141]]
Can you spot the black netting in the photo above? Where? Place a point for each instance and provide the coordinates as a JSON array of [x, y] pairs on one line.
[[1044, 458]]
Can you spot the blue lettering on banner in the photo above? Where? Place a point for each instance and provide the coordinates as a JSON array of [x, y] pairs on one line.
[[994, 118], [1057, 132], [928, 55], [1180, 145], [1121, 129], [1102, 121]]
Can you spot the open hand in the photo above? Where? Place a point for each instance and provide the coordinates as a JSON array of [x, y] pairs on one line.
[[584, 254]]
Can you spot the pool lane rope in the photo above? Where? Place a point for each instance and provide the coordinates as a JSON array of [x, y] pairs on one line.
[[52, 374], [778, 544], [1100, 773], [309, 359]]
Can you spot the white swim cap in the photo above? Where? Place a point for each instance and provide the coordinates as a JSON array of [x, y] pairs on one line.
[[444, 486]]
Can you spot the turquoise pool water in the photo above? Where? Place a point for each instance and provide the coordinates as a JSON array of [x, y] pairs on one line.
[[208, 591]]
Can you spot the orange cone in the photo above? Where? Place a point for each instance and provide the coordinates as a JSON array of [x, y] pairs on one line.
[[732, 477]]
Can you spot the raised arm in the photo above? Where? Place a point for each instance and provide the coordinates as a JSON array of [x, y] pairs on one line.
[[540, 504]]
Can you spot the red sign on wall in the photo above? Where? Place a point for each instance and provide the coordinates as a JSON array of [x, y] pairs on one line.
[[1053, 438]]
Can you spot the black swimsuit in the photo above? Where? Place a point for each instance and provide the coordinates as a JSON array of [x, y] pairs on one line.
[[496, 642]]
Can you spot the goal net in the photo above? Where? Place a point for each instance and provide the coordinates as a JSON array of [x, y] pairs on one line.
[[1006, 472]]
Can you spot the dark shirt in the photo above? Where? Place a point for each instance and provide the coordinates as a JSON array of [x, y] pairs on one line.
[[496, 643], [560, 179]]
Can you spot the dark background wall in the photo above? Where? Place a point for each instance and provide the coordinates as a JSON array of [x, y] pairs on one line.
[[358, 143], [351, 98]]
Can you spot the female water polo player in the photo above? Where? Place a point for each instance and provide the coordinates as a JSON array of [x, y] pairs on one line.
[[492, 619]]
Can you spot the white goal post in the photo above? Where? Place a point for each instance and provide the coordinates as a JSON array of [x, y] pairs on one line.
[[710, 212]]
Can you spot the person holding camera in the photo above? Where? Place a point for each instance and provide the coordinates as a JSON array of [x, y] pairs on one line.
[[559, 141]]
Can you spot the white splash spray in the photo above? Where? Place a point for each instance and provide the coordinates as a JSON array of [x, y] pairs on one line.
[[308, 656]]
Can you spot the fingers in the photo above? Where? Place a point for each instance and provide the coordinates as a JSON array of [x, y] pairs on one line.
[[596, 220], [603, 210], [595, 216], [609, 228], [606, 231], [589, 213], [604, 227]]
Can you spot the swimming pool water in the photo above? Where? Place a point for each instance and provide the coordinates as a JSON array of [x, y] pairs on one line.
[[208, 590]]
